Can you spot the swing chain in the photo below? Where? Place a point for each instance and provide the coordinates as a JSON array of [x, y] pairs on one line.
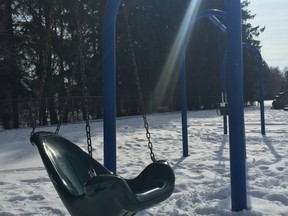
[[139, 89], [68, 88], [84, 88]]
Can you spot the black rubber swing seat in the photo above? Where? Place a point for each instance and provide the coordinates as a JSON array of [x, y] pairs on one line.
[[105, 194]]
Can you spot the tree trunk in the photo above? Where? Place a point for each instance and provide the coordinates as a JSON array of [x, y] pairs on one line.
[[48, 13]]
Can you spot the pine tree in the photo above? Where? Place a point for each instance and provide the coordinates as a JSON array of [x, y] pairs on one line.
[[11, 75], [250, 35]]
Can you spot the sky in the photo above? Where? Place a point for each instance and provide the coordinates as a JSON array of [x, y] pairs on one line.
[[274, 15]]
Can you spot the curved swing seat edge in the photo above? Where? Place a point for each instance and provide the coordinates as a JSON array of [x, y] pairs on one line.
[[106, 193]]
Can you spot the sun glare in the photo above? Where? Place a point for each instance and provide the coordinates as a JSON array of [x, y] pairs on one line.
[[170, 71]]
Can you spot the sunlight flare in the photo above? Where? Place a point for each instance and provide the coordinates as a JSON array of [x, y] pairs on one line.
[[170, 72]]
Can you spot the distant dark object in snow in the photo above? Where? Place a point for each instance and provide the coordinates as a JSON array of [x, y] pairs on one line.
[[281, 101]]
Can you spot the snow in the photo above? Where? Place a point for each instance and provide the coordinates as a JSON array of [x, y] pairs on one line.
[[202, 179]]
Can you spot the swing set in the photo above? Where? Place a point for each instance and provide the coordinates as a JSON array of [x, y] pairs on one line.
[[88, 188]]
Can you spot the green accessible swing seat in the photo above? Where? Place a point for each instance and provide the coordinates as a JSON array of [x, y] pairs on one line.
[[104, 194]]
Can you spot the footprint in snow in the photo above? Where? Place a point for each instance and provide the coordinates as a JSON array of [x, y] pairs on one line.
[[263, 167], [280, 168], [21, 198]]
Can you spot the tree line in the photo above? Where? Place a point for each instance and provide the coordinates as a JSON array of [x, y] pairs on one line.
[[47, 45]]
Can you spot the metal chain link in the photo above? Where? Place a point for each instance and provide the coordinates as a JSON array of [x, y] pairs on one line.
[[139, 89], [44, 74]]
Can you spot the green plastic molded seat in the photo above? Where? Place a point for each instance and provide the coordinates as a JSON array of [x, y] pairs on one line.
[[105, 194]]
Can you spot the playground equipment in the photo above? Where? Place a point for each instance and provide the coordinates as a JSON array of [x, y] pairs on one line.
[[75, 187], [260, 78], [234, 87], [281, 101], [233, 94], [223, 109], [236, 111]]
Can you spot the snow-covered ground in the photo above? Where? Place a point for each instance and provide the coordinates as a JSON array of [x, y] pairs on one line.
[[202, 179]]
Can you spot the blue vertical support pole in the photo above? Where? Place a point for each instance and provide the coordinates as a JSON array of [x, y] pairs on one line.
[[183, 99], [236, 106], [109, 76], [261, 83], [225, 124], [223, 87], [261, 93]]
